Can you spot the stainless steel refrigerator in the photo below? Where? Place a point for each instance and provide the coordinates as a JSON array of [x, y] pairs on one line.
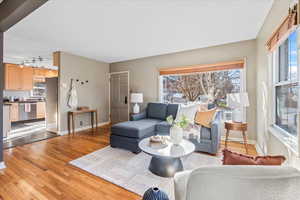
[[52, 104]]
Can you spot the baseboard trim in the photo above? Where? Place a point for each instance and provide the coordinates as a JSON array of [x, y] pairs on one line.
[[258, 150], [83, 128], [2, 165], [240, 140]]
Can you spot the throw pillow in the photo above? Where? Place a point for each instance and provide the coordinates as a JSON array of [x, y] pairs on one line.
[[189, 111], [204, 118], [270, 160], [203, 107], [232, 158]]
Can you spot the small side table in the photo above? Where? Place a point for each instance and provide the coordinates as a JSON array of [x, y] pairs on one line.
[[236, 126], [72, 114]]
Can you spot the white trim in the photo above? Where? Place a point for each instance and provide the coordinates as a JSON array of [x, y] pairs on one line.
[[128, 98], [287, 139], [283, 138], [2, 165], [259, 150], [84, 128], [243, 86], [160, 88]]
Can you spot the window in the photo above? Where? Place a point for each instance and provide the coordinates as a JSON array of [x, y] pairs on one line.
[[286, 87], [209, 86]]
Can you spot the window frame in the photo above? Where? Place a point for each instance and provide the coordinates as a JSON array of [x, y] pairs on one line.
[[243, 84], [287, 138]]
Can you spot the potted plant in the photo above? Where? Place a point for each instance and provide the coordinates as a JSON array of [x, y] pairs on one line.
[[176, 130]]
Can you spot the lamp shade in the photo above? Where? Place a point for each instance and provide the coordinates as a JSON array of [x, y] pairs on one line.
[[237, 100], [136, 98]]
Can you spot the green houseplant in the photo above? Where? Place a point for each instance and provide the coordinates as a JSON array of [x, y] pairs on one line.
[[177, 126]]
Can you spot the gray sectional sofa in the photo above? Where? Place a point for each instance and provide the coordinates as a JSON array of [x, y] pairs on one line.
[[152, 121]]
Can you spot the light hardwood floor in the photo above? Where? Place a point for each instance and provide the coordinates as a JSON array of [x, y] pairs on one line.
[[41, 170]]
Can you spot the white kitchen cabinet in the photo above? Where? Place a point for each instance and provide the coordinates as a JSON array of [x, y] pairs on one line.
[[6, 120]]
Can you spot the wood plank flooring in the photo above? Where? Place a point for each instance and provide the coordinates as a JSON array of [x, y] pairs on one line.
[[41, 170]]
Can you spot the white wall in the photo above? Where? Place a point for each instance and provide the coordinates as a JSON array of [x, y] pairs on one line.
[[93, 94]]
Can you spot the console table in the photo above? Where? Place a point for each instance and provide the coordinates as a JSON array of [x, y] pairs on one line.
[[72, 114]]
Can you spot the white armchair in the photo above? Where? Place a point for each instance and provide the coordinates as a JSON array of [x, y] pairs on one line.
[[238, 183]]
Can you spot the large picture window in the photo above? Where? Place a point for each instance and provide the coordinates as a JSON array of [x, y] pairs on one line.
[[211, 86], [286, 87]]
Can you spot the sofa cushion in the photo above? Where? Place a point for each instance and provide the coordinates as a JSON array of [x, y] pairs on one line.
[[163, 127], [157, 111], [172, 110], [135, 129]]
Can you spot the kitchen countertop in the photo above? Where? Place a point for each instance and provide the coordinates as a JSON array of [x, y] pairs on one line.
[[30, 101]]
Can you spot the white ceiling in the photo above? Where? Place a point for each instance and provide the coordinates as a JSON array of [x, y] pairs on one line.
[[117, 30]]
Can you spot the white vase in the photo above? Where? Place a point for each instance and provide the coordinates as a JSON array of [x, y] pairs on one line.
[[176, 135]]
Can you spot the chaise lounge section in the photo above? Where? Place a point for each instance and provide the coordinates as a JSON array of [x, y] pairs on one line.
[[152, 121]]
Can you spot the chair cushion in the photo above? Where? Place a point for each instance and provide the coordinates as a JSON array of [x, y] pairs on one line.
[[135, 129], [163, 127], [157, 111], [172, 110], [205, 133]]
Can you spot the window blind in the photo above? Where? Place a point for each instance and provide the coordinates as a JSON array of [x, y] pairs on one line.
[[286, 27], [239, 64]]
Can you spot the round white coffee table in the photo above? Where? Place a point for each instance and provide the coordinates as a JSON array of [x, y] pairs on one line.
[[166, 158]]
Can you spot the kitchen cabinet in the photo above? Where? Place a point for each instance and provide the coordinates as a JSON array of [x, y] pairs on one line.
[[14, 112], [41, 110], [13, 77], [45, 73], [52, 73], [40, 72], [18, 78], [27, 78]]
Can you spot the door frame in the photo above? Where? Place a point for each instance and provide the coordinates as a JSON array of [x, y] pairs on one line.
[[109, 102]]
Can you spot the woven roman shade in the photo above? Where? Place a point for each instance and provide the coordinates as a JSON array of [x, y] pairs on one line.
[[239, 64], [285, 28]]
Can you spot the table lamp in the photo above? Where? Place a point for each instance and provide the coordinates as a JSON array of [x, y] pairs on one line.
[[136, 98], [237, 101]]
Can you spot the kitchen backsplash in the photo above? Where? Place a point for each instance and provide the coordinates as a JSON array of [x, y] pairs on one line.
[[16, 94]]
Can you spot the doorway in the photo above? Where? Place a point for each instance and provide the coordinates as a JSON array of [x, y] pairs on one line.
[[30, 110], [119, 97]]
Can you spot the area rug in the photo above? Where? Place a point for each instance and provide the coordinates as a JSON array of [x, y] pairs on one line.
[[130, 171]]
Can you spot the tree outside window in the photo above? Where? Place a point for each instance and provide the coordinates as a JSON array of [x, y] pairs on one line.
[[208, 87]]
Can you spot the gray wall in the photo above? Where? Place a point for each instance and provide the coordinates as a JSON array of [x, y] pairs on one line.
[[144, 71], [93, 94], [1, 95]]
